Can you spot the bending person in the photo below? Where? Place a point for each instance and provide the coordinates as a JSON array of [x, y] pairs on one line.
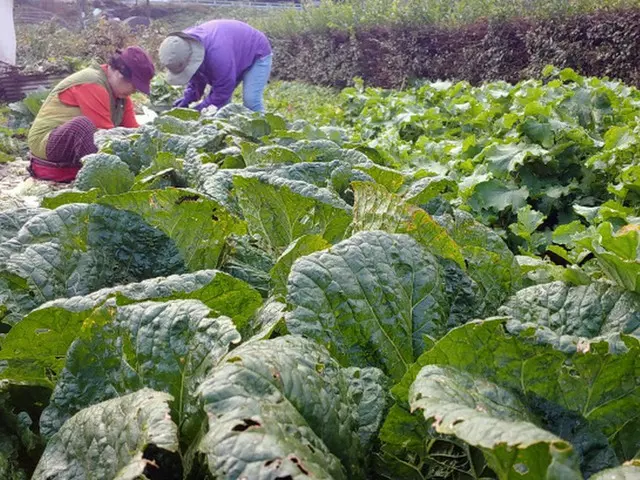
[[219, 53], [95, 97]]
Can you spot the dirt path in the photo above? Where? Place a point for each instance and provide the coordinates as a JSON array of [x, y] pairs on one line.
[[18, 189]]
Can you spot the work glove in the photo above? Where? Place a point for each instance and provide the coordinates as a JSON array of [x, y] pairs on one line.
[[181, 103]]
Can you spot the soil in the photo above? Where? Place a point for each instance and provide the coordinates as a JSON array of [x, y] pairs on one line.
[[18, 189]]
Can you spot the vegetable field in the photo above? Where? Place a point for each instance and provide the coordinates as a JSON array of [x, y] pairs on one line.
[[436, 283]]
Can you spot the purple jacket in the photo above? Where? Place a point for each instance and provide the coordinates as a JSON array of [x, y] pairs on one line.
[[231, 47]]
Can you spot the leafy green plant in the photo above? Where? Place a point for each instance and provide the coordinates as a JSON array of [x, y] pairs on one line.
[[163, 95], [232, 294]]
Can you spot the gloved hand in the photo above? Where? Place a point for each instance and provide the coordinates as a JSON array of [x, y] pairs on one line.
[[181, 102]]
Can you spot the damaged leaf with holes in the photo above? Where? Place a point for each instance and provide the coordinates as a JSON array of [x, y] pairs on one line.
[[127, 437], [167, 346], [584, 399], [374, 235], [493, 419], [283, 408]]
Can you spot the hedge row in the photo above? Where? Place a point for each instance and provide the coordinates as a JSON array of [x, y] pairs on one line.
[[598, 44]]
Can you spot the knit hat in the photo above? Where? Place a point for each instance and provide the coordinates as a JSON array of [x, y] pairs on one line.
[[141, 66]]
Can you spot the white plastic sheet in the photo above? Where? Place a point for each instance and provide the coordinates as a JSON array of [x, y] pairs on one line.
[[147, 116], [7, 33]]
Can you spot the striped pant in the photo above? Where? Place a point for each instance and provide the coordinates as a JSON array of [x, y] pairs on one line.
[[67, 144]]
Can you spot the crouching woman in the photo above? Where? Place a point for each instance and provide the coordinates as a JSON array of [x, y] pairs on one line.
[[93, 98]]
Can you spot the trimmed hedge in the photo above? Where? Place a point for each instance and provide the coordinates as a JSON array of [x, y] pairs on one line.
[[597, 44]]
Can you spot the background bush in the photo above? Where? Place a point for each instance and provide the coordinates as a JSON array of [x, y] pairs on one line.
[[389, 43], [595, 44]]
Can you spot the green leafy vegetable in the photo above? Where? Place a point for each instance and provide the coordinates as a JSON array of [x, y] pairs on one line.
[[377, 209], [587, 395], [106, 172], [491, 418], [168, 347], [302, 246], [598, 309], [282, 210], [373, 298], [35, 348], [77, 249], [197, 225], [125, 438], [292, 398]]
